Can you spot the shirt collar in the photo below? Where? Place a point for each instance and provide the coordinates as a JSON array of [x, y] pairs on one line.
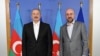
[[36, 23], [68, 24]]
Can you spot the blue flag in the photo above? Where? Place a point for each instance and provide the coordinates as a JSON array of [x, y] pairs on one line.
[[58, 23], [80, 16], [18, 26]]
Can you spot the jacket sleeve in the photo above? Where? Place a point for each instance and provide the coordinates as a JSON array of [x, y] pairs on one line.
[[49, 41], [61, 43], [24, 42], [84, 39]]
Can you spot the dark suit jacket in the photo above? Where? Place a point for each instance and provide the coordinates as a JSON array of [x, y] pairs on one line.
[[40, 47]]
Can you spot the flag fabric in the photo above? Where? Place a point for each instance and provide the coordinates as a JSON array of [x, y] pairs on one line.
[[56, 34], [16, 36], [80, 16]]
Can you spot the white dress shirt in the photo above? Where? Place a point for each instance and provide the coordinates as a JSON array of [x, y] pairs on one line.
[[36, 29], [70, 28]]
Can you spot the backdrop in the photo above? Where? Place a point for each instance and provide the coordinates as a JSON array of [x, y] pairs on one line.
[[49, 10]]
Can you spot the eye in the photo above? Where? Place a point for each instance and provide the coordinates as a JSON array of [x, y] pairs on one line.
[[71, 13], [67, 14], [33, 13]]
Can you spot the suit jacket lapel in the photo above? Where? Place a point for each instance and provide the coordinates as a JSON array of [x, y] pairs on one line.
[[74, 30], [40, 30], [65, 31], [32, 31]]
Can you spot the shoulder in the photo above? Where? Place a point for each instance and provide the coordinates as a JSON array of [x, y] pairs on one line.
[[79, 23], [62, 28], [28, 24], [44, 24], [64, 25]]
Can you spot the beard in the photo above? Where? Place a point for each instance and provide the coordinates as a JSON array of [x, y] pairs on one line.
[[70, 20]]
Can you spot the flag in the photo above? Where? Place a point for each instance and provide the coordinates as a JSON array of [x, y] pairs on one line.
[[80, 16], [16, 36], [56, 34]]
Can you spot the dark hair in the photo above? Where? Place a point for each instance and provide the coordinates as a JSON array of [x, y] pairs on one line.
[[36, 9]]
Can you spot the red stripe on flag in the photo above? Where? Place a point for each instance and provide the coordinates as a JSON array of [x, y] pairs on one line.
[[16, 44], [55, 45]]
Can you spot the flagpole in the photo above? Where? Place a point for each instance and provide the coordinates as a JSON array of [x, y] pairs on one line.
[[59, 4], [17, 5], [39, 5], [81, 4]]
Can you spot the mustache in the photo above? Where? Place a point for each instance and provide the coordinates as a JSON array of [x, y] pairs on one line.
[[36, 17], [69, 17]]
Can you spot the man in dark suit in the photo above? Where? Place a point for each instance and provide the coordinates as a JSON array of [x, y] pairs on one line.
[[37, 37]]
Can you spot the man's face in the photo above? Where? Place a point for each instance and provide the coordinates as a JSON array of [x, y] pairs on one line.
[[36, 15], [70, 15]]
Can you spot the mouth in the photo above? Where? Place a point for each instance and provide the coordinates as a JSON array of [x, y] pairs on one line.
[[69, 17], [35, 17]]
